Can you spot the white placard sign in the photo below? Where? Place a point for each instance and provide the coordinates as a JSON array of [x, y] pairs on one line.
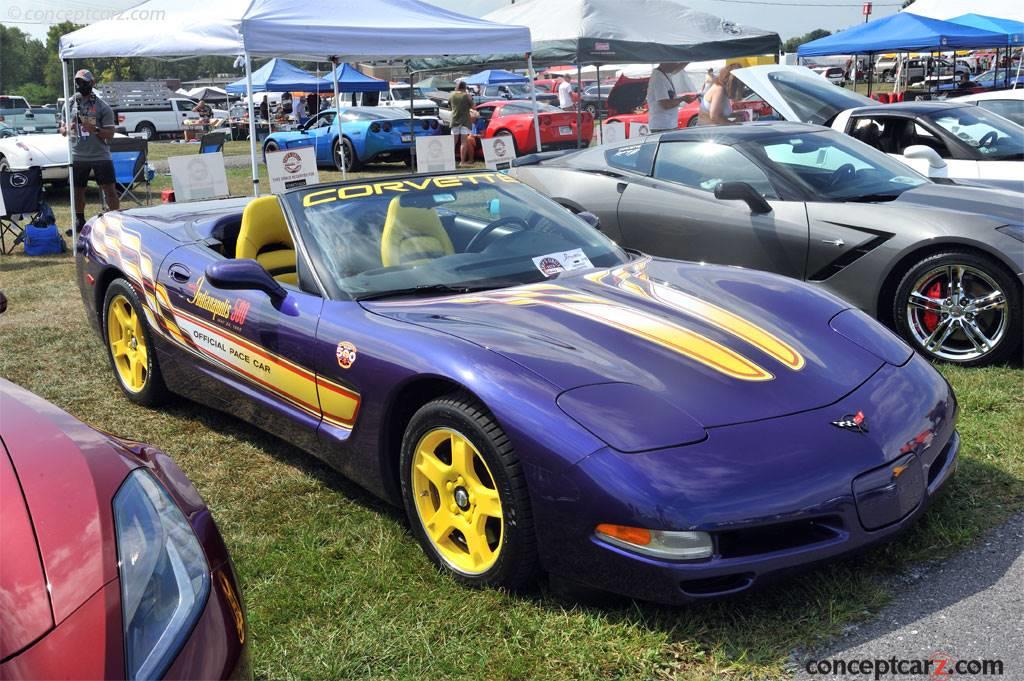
[[639, 130], [612, 132], [435, 154], [499, 152], [292, 168], [198, 177]]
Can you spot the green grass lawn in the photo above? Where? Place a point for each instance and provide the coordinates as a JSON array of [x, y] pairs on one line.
[[160, 151], [336, 587]]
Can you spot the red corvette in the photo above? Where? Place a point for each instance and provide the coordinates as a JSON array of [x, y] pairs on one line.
[[515, 119], [112, 566]]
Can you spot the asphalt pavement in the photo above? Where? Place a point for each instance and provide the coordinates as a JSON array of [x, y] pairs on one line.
[[968, 607]]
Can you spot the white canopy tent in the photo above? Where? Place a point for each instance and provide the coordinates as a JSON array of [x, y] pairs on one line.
[[948, 9], [328, 30]]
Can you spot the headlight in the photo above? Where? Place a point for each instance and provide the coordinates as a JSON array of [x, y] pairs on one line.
[[657, 543], [1016, 231], [165, 578]]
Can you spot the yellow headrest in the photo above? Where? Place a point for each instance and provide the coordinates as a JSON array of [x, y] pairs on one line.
[[412, 234], [263, 225]]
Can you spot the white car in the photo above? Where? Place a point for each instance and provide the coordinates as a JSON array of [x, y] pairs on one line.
[[938, 139], [833, 74], [397, 95], [1007, 103]]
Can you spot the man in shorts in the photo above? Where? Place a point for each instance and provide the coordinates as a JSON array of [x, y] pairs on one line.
[[90, 126], [460, 102]]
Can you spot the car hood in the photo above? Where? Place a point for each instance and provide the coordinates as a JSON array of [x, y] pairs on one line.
[[24, 151], [69, 474], [1001, 205], [806, 97], [722, 344]]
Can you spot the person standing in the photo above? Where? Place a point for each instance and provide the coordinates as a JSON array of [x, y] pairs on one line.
[[90, 126], [716, 104], [662, 100], [565, 102], [460, 102]]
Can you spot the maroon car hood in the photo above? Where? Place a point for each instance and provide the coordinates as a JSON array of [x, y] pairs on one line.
[[69, 474]]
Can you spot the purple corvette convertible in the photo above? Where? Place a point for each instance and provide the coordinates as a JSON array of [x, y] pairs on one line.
[[536, 397]]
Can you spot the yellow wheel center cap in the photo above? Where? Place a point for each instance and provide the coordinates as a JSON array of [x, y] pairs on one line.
[[462, 498]]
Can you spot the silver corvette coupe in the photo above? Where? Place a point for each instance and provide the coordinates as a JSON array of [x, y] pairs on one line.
[[941, 263]]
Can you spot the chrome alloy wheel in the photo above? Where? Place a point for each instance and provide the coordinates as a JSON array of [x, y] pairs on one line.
[[957, 313]]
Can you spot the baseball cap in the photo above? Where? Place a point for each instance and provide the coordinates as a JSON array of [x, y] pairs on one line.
[[86, 75]]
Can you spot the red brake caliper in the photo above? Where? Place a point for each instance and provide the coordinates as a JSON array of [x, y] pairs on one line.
[[931, 319]]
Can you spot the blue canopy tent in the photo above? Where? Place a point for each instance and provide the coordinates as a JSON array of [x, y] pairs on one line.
[[1013, 30], [902, 32], [277, 75], [351, 79], [495, 77]]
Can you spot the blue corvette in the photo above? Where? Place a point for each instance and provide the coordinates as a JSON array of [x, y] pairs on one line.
[[369, 133], [537, 398]]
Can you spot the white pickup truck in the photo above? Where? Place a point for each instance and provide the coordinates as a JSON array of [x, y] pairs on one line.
[[397, 95], [157, 120]]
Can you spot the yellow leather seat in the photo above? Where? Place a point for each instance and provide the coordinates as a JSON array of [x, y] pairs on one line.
[[412, 235], [264, 237]]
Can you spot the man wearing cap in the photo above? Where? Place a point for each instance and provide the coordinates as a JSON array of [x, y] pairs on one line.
[[90, 126]]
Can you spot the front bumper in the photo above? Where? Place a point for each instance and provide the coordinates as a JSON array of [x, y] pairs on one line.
[[775, 496]]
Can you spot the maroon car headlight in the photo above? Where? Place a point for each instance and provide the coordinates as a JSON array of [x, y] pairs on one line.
[[165, 578]]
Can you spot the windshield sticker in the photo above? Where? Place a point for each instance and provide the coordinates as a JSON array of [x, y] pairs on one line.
[[444, 198], [566, 261], [419, 184]]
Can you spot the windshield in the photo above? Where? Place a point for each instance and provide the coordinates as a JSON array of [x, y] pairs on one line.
[[30, 122], [989, 135], [466, 232], [834, 166], [403, 92], [814, 99]]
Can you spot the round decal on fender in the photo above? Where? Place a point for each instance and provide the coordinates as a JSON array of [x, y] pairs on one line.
[[346, 354]]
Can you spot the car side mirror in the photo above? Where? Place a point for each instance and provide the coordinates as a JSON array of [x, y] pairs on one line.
[[924, 153], [244, 274], [743, 191], [590, 219]]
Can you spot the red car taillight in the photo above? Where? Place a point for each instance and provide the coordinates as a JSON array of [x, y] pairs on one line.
[[386, 126]]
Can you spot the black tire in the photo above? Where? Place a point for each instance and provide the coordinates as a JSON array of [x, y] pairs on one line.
[[692, 123], [350, 154], [509, 137], [517, 565], [5, 165], [1009, 340], [591, 109], [147, 129], [154, 392]]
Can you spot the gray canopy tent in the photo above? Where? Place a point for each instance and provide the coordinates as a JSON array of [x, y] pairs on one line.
[[329, 30], [596, 32]]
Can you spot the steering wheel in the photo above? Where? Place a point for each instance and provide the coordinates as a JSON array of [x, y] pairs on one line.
[[843, 172], [986, 141], [474, 245]]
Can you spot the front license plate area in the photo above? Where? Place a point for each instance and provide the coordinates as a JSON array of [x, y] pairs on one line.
[[890, 493]]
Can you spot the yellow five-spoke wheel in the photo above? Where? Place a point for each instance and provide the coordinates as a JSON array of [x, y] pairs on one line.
[[466, 496], [129, 345]]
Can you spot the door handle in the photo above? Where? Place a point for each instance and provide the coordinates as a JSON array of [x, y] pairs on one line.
[[834, 242], [179, 273]]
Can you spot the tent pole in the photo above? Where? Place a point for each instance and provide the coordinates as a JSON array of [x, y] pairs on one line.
[[252, 127], [337, 118], [71, 166], [871, 70], [412, 120], [533, 98], [579, 84], [597, 109]]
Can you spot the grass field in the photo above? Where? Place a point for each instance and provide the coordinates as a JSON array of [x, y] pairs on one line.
[[336, 587]]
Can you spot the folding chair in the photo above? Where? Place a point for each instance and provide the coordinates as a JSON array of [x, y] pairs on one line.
[[212, 142], [21, 193], [129, 157]]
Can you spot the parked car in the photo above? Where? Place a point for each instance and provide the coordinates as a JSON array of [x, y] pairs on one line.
[[158, 119], [914, 70], [369, 134], [397, 95], [493, 93], [48, 150], [1007, 103], [592, 102], [13, 103], [939, 139], [112, 565], [514, 120], [833, 74], [940, 263], [535, 397]]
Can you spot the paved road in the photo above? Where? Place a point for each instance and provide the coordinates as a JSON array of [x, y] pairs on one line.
[[968, 607]]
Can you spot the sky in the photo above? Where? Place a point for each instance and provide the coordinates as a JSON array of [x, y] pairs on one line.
[[788, 18]]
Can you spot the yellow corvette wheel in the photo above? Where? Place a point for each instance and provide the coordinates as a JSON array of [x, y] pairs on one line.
[[465, 494], [130, 345], [127, 344], [457, 501]]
